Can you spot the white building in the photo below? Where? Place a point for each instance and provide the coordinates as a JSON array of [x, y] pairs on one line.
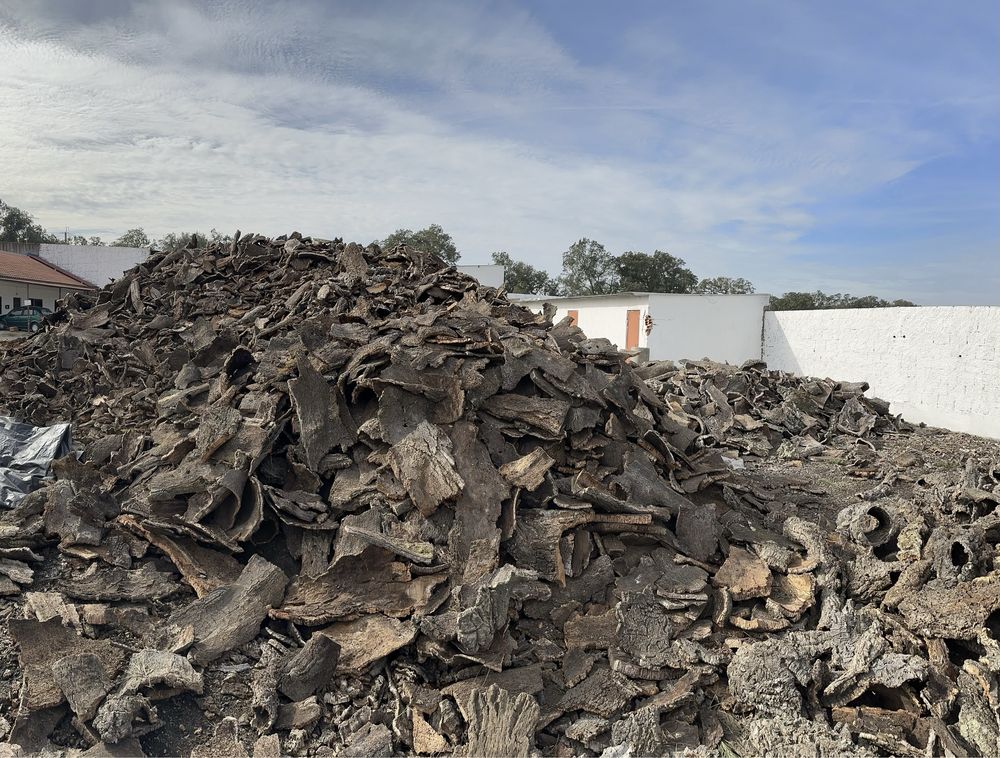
[[27, 280], [667, 327], [94, 264]]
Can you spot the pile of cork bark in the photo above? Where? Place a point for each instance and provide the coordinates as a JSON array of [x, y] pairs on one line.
[[334, 500]]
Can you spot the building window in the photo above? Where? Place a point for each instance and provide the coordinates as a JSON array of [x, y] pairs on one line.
[[574, 317], [17, 302], [35, 301]]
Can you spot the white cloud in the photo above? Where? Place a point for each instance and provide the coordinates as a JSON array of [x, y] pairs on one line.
[[281, 116]]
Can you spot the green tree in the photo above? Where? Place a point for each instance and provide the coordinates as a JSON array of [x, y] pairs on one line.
[[179, 240], [866, 301], [433, 239], [659, 272], [79, 239], [794, 301], [836, 300], [133, 238], [218, 238], [523, 277], [176, 241], [873, 301], [808, 301], [588, 269], [724, 285], [18, 226]]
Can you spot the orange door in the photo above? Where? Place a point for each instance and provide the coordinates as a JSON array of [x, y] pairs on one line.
[[632, 330], [574, 317]]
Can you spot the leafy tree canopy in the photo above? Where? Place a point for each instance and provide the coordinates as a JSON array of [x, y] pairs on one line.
[[180, 240], [808, 301], [724, 285], [133, 238], [172, 241], [523, 277], [79, 239], [433, 239], [659, 272], [588, 269], [18, 226]]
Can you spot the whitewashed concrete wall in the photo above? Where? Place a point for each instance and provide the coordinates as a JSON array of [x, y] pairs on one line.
[[605, 316], [938, 365], [487, 274], [96, 264], [720, 327]]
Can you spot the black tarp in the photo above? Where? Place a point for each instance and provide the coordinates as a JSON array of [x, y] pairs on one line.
[[25, 454]]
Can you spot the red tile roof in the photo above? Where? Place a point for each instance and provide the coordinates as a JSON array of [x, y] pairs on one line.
[[27, 268]]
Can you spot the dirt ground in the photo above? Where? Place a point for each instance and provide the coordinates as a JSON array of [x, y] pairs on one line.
[[834, 481]]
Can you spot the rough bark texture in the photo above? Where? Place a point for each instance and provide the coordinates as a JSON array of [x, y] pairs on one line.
[[368, 639], [231, 615], [423, 463], [500, 723], [310, 668], [362, 451], [43, 644], [372, 582], [529, 470], [84, 682]]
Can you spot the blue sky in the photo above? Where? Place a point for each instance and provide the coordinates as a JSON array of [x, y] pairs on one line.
[[847, 146]]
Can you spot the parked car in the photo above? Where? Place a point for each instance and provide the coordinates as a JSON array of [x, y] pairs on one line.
[[27, 317]]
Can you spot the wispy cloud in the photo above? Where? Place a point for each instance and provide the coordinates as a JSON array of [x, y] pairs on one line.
[[340, 119]]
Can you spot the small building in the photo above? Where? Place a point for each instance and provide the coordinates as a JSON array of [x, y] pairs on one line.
[[667, 327], [27, 280]]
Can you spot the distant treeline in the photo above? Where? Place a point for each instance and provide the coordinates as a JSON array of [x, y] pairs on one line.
[[809, 301], [587, 266]]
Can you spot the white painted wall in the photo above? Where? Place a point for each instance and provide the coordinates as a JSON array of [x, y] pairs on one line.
[[10, 289], [96, 264], [602, 316], [488, 275], [938, 365], [720, 327]]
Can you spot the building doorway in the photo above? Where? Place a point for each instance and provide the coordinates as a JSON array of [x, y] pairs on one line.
[[632, 330]]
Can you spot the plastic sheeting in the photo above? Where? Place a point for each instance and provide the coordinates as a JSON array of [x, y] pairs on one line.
[[25, 454]]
